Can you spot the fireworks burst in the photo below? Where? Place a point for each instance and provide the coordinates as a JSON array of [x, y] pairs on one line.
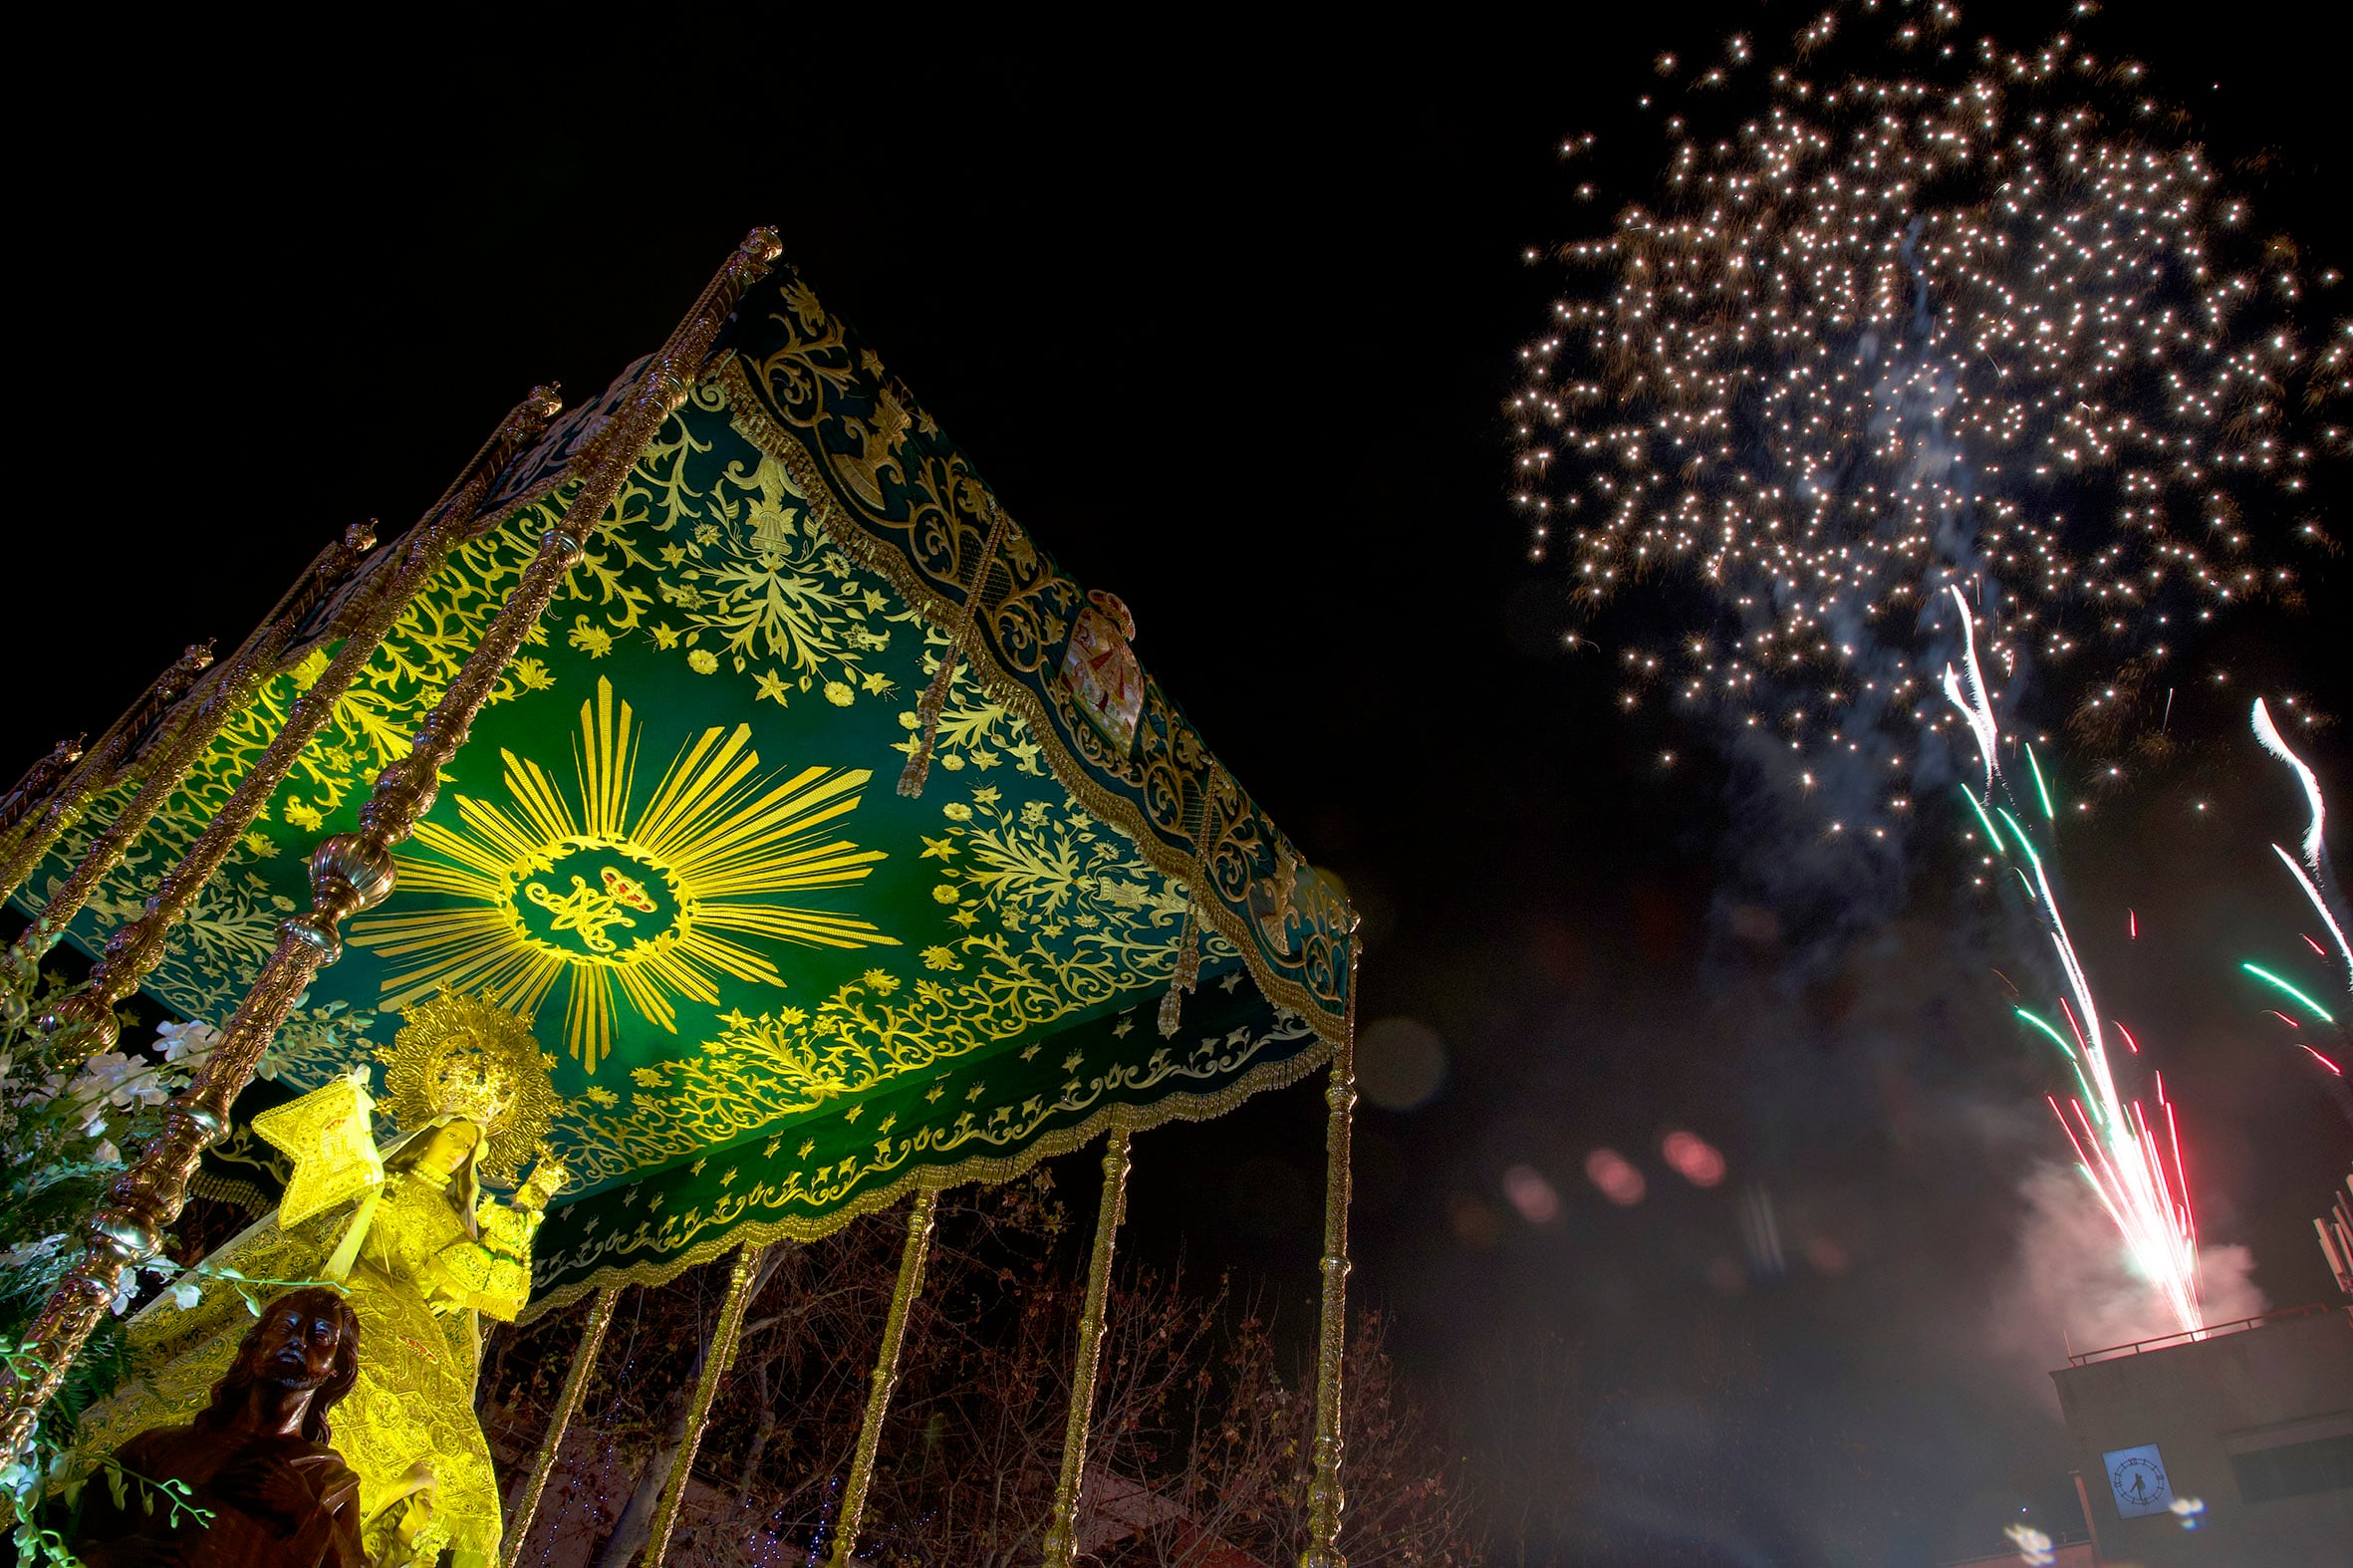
[[2116, 1148], [1946, 316]]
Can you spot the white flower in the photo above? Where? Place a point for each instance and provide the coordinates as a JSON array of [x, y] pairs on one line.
[[186, 1296], [124, 1288], [28, 1251], [105, 1154], [100, 1076], [112, 1078], [193, 1041]]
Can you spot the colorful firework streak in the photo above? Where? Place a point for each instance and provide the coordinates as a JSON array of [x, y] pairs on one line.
[[2138, 1176], [2315, 878], [1920, 312]]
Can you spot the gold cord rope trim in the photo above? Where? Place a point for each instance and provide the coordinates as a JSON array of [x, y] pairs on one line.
[[934, 697]]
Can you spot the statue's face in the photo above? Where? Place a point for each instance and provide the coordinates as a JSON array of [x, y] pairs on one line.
[[448, 1148], [296, 1346]]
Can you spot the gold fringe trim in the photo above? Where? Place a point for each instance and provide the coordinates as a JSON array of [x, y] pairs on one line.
[[231, 1189], [979, 1169]]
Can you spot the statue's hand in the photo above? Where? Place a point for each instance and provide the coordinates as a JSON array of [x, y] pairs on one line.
[[444, 1295], [547, 1178]]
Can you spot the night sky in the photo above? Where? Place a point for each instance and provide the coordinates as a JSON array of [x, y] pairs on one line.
[[1225, 313]]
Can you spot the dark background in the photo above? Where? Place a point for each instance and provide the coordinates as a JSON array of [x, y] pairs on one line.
[[1224, 309]]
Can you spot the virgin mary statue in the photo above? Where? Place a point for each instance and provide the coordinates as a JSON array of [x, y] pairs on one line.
[[408, 1234]]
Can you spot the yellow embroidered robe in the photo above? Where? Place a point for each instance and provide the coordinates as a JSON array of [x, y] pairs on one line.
[[420, 1279]]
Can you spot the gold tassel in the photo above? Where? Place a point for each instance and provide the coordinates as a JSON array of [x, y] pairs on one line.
[[934, 697], [919, 764], [1187, 976]]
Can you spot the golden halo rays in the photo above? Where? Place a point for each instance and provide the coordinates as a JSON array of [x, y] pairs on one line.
[[624, 905]]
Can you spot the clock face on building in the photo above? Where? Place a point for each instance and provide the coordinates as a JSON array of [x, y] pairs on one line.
[[2137, 1476]]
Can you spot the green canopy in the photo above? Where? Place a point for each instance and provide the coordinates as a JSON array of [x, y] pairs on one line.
[[774, 992]]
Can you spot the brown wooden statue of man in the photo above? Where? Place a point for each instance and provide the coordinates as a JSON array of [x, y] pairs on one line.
[[257, 1459]]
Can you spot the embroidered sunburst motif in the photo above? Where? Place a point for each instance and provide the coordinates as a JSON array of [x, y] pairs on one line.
[[621, 901]]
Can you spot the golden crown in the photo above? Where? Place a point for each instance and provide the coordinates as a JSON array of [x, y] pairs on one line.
[[459, 1057]]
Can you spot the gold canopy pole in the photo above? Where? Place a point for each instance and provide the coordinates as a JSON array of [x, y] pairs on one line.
[[43, 805], [177, 755], [1324, 1497], [878, 1395], [41, 781], [741, 1282], [349, 872], [1062, 1533], [83, 1023], [584, 1366]]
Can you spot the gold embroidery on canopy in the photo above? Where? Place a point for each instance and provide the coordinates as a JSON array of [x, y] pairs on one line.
[[593, 889]]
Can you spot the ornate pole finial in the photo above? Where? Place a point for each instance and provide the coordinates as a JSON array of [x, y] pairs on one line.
[[60, 804], [39, 780], [83, 1023], [176, 748]]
